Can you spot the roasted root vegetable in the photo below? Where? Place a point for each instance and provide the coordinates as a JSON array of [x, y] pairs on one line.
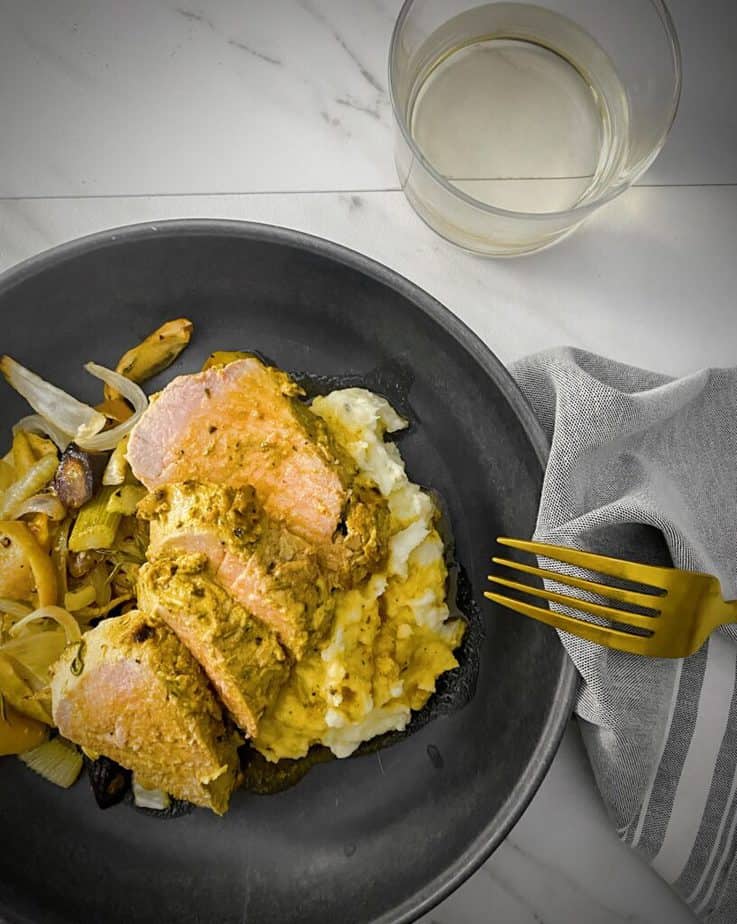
[[57, 760], [19, 551], [26, 659], [95, 526], [115, 409], [40, 444], [16, 576], [109, 781], [153, 354], [7, 473], [18, 732], [34, 479], [14, 608], [23, 455], [117, 468], [60, 555], [38, 523], [77, 599], [78, 476], [224, 358], [18, 685]]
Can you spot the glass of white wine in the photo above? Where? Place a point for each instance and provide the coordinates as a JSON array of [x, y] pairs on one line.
[[516, 121]]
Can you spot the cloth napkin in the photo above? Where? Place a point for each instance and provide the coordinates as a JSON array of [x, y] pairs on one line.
[[644, 467]]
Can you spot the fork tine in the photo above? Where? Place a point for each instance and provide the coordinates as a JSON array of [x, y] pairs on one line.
[[633, 597], [611, 638], [622, 616], [615, 567]]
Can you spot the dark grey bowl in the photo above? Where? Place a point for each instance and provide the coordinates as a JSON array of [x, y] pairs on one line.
[[364, 840]]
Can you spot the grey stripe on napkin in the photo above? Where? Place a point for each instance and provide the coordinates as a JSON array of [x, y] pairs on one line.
[[643, 466]]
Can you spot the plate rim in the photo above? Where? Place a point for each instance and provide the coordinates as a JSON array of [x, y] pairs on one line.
[[481, 848]]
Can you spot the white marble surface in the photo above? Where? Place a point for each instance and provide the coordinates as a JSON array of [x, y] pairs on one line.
[[118, 112], [650, 280], [227, 96]]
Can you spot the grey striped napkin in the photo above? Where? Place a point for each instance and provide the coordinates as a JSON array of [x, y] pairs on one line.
[[637, 457]]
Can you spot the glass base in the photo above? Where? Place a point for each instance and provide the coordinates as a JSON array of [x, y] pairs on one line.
[[481, 245]]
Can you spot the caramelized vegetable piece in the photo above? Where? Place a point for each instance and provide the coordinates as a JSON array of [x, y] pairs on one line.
[[38, 523], [18, 732], [153, 354], [40, 445], [16, 577], [17, 690], [7, 472], [23, 456], [17, 539], [33, 480], [224, 358], [118, 470], [79, 476], [109, 781], [58, 761], [115, 408], [77, 599]]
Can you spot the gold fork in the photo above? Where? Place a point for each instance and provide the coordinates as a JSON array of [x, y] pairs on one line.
[[684, 606]]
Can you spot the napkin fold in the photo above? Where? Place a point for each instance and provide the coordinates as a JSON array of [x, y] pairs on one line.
[[644, 467]]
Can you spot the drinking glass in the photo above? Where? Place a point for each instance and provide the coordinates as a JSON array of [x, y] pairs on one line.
[[515, 121]]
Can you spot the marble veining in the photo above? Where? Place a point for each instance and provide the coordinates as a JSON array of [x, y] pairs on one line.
[[210, 97], [236, 43], [262, 56], [195, 17], [146, 98], [363, 70], [373, 111]]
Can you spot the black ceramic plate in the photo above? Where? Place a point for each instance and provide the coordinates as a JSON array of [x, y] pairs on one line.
[[370, 839]]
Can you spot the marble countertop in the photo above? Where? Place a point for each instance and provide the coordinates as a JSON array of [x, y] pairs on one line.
[[277, 112]]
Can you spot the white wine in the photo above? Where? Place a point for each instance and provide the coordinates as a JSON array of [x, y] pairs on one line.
[[520, 108]]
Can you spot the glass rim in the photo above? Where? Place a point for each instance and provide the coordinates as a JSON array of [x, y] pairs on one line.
[[578, 211]]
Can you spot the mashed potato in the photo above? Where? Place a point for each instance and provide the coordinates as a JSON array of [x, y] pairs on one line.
[[392, 636]]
